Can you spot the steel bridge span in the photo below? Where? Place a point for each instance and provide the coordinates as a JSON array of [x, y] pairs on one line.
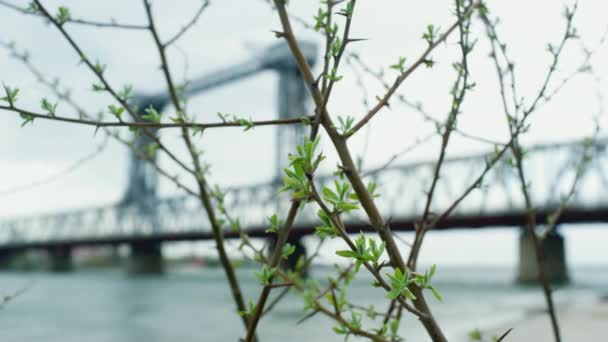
[[144, 221], [496, 203]]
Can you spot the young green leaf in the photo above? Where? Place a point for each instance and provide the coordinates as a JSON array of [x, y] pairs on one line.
[[346, 125], [399, 66], [126, 92], [320, 19], [48, 106], [288, 250], [152, 115], [151, 150], [333, 75], [475, 335], [430, 34], [27, 118], [116, 111], [275, 224], [265, 274], [247, 124], [63, 15], [11, 94], [99, 68]]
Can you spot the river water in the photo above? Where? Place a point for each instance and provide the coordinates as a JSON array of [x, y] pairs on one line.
[[192, 304]]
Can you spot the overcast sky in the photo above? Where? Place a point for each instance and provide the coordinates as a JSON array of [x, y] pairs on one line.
[[230, 31]]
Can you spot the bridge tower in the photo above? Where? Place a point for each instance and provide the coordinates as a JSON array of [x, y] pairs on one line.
[[141, 194], [292, 102], [143, 178]]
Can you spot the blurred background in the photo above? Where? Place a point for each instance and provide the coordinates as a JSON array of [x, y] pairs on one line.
[[49, 168]]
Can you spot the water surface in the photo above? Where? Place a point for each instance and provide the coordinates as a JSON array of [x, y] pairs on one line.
[[190, 305]]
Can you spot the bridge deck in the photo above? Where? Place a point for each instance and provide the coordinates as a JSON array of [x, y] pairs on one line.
[[496, 203], [513, 219]]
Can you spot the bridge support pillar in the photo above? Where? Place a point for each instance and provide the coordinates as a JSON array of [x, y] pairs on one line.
[[7, 259], [60, 259], [292, 260], [145, 258], [554, 254]]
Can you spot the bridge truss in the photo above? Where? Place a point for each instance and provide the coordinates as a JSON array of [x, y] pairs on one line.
[[498, 202]]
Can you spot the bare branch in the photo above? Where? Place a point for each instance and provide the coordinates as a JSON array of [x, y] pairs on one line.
[[199, 174], [32, 10], [407, 72], [105, 83], [189, 25], [154, 125]]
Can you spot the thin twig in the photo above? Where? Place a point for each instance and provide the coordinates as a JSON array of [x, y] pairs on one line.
[[155, 125], [460, 89], [503, 336], [65, 97], [513, 120], [189, 25], [55, 176], [384, 100], [349, 168], [85, 22], [199, 174], [106, 85]]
